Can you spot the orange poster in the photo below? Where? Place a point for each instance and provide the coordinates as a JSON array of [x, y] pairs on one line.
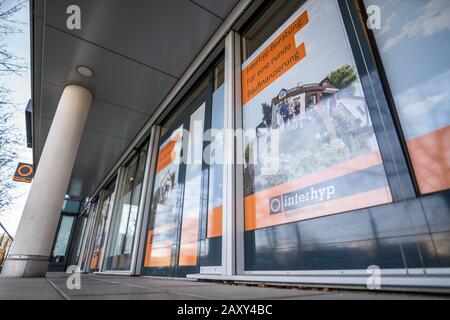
[[281, 55]]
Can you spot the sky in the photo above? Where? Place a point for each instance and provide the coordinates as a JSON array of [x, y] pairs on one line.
[[20, 94], [415, 48]]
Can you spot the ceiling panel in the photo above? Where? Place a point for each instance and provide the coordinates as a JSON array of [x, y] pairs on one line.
[[114, 120], [219, 7], [138, 49], [166, 35], [88, 171], [103, 116], [92, 141], [118, 80], [102, 144]]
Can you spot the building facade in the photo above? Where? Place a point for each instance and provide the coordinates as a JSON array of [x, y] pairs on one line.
[[267, 141]]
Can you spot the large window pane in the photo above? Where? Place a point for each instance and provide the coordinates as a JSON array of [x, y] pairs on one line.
[[310, 147], [123, 228], [212, 244], [101, 227], [164, 216], [414, 44], [62, 240], [192, 198]]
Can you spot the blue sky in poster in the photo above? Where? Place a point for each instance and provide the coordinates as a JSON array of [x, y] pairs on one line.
[[414, 43]]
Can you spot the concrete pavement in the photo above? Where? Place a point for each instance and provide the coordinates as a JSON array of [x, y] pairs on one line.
[[104, 287]]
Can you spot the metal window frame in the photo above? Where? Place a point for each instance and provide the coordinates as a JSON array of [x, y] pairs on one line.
[[233, 200], [110, 217], [147, 196], [228, 211], [386, 130], [113, 212], [87, 243]]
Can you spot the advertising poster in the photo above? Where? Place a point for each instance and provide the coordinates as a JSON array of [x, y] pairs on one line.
[[421, 93], [303, 82], [164, 216]]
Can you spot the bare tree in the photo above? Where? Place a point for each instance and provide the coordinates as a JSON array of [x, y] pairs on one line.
[[9, 64]]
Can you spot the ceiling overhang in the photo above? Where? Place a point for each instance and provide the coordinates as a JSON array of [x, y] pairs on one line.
[[138, 51]]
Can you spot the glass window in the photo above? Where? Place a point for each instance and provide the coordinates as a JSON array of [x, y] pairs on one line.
[[270, 20], [123, 228], [192, 198], [309, 151], [88, 234], [198, 90], [164, 217], [185, 224], [62, 239], [79, 239], [414, 45], [101, 227], [212, 246]]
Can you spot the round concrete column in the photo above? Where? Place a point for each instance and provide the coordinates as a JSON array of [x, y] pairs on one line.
[[30, 251]]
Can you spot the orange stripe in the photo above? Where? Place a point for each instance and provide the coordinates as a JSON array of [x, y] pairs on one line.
[[214, 227], [96, 257], [157, 254], [430, 155], [167, 154], [257, 205], [22, 180], [188, 242], [262, 218]]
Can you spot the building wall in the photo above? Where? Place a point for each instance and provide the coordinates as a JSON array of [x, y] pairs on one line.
[[406, 227]]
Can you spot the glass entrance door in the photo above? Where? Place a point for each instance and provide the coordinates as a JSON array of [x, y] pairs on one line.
[[61, 247], [177, 207]]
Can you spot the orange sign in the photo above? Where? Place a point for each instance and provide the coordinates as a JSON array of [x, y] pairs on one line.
[[430, 155], [24, 173], [167, 154], [278, 57], [321, 197]]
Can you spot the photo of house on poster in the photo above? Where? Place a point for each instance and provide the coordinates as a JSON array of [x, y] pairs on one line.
[[304, 83], [164, 211]]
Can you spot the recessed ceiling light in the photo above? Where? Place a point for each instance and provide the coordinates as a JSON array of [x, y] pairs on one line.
[[85, 71]]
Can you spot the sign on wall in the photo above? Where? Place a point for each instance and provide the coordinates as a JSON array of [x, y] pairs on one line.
[[302, 88], [24, 173]]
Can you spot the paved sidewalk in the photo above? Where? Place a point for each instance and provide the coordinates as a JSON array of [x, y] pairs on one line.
[[137, 288]]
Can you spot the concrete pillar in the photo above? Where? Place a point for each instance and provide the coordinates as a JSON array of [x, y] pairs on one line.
[[30, 251]]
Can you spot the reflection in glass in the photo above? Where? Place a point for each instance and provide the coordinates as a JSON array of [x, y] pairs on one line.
[[212, 245], [313, 151], [415, 50], [62, 240], [123, 228], [101, 227], [164, 217], [193, 191]]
